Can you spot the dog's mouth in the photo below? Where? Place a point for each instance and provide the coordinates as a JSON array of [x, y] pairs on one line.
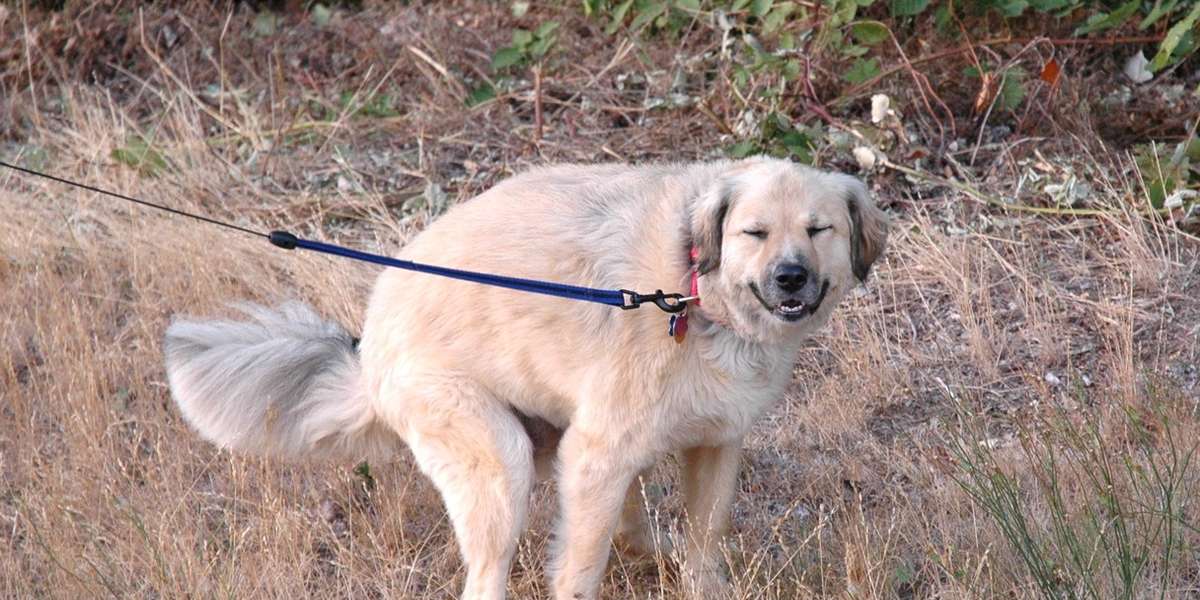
[[791, 309]]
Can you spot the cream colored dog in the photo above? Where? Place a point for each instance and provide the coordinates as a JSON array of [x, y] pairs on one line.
[[471, 377]]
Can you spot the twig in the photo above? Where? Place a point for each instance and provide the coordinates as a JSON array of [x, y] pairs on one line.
[[623, 50], [702, 108], [926, 90], [456, 87], [997, 90], [888, 72], [538, 119], [37, 113], [990, 200], [186, 89]]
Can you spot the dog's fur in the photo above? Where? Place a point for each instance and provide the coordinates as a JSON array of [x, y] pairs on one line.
[[476, 380]]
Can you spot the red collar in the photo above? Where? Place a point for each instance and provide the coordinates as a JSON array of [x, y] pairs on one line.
[[694, 288], [679, 323]]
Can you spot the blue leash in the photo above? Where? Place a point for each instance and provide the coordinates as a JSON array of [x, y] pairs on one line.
[[624, 299]]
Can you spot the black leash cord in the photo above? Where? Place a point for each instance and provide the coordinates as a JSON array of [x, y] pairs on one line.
[[624, 299]]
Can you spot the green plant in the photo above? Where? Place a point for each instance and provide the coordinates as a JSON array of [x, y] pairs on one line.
[[771, 40], [670, 15], [526, 47], [1097, 516], [1167, 170], [139, 153], [1010, 82], [777, 136], [376, 105]]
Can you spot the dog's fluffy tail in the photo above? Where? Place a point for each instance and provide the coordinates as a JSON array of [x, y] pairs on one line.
[[285, 383]]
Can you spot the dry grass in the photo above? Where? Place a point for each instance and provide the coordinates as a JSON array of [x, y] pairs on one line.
[[973, 340]]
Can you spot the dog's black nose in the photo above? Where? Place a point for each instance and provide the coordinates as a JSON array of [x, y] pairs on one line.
[[791, 277]]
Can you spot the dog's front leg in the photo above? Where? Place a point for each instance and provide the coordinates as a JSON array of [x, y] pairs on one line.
[[593, 478], [709, 483]]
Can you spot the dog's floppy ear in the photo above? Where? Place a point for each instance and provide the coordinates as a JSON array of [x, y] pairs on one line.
[[708, 222], [868, 228]]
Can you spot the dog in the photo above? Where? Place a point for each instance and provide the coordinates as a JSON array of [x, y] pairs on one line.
[[480, 381]]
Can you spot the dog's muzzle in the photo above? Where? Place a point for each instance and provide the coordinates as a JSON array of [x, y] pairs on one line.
[[796, 292]]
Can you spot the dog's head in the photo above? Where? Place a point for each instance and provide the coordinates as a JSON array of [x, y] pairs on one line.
[[779, 245]]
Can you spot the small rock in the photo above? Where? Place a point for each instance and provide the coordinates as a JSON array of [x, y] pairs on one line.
[[1135, 68], [1052, 379], [865, 157], [880, 107]]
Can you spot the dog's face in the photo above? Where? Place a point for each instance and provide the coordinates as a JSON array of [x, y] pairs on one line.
[[780, 245]]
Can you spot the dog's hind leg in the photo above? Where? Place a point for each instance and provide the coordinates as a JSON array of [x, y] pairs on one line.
[[481, 460]]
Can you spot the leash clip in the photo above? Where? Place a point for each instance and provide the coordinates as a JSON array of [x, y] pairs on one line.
[[668, 303]]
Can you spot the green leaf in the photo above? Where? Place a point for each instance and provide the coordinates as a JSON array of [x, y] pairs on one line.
[[842, 12], [321, 15], [265, 23], [862, 70], [741, 77], [1161, 175], [690, 6], [1103, 21], [507, 57], [1174, 35], [379, 106], [139, 154], [738, 5], [742, 149], [1013, 8], [648, 14], [618, 17], [541, 46], [1193, 149], [521, 38], [363, 470], [798, 145], [791, 70], [521, 7], [942, 18], [1049, 5], [869, 33], [759, 8], [1159, 11], [481, 94], [853, 51], [778, 16], [908, 8], [546, 29], [1012, 89]]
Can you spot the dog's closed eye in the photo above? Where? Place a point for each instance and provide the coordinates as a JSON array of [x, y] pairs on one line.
[[813, 231], [756, 233]]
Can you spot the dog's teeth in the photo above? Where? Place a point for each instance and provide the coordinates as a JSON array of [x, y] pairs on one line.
[[791, 309]]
